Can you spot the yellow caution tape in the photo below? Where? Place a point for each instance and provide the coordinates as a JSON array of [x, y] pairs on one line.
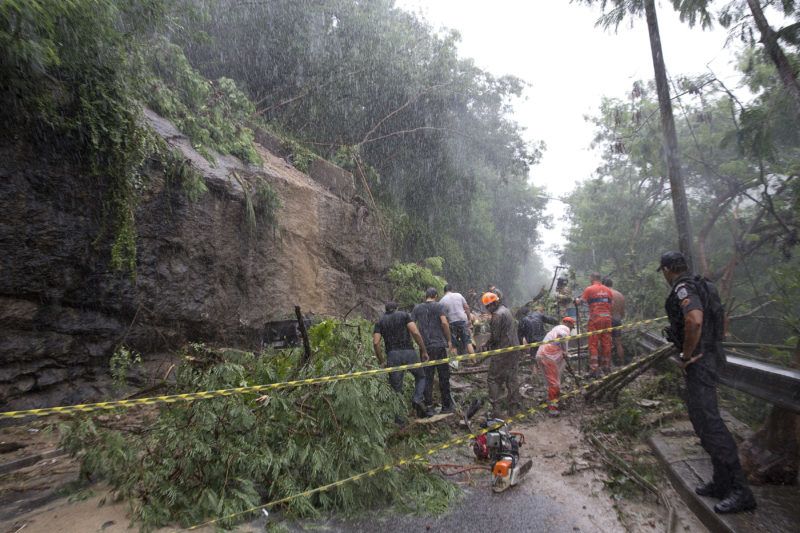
[[204, 395], [427, 453]]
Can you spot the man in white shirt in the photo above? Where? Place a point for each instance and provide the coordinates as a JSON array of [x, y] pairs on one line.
[[457, 311]]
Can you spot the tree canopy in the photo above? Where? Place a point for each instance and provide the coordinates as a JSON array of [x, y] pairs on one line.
[[741, 165], [377, 90]]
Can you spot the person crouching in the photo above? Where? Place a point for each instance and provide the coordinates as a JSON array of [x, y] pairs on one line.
[[550, 358]]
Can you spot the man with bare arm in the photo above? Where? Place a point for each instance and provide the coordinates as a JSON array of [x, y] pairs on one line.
[[458, 315], [397, 328], [617, 314], [431, 319]]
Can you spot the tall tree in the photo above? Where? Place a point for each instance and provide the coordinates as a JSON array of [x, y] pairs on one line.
[[769, 38], [741, 168], [619, 9], [742, 15], [679, 205]]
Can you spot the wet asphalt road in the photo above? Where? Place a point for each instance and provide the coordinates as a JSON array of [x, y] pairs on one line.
[[479, 510]]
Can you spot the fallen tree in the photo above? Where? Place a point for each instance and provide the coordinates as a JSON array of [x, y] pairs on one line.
[[207, 459]]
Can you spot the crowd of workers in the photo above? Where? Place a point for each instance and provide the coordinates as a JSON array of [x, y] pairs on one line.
[[442, 327]]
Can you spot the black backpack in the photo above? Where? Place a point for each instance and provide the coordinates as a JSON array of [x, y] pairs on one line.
[[713, 314], [714, 311]]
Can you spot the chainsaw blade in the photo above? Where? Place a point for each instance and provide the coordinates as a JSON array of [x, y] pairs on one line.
[[524, 469]]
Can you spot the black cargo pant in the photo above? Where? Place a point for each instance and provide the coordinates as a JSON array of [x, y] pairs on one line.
[[444, 378], [406, 357], [701, 388]]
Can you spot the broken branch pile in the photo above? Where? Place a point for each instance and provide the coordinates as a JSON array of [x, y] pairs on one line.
[[202, 460]]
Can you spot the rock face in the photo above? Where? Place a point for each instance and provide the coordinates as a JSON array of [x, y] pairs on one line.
[[203, 273]]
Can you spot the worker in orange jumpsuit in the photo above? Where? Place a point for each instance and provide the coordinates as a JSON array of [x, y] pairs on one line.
[[599, 299], [551, 358]]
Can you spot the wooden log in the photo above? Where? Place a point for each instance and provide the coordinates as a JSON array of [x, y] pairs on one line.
[[432, 419], [301, 324]]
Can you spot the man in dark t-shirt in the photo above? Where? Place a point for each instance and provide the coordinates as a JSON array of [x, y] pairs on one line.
[[397, 328], [531, 327], [431, 319]]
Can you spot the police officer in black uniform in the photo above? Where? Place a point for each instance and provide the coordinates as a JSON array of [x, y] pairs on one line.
[[696, 328]]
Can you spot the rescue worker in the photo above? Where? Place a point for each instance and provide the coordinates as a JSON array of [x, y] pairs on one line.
[[696, 319], [551, 359], [431, 319], [532, 325], [502, 368], [397, 328], [474, 300], [458, 316], [599, 299], [493, 288], [617, 314], [564, 299]]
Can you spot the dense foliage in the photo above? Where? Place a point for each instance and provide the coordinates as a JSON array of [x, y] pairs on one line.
[[741, 163], [410, 280], [382, 93], [211, 458], [73, 78], [361, 83]]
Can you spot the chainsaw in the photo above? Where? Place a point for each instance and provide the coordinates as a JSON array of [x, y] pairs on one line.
[[501, 446]]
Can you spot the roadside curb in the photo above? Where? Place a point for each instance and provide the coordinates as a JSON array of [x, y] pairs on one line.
[[687, 465]]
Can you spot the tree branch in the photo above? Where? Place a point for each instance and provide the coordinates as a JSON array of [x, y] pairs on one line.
[[405, 105], [752, 311]]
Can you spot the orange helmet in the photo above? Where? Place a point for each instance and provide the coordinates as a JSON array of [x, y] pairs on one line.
[[569, 320], [489, 298]]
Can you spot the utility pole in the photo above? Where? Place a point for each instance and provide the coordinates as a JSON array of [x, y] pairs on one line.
[[679, 204]]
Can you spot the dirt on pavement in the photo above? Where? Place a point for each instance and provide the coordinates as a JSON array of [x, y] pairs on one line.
[[567, 477]]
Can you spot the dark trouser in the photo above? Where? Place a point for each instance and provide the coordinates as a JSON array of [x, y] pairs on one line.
[[460, 334], [503, 370], [444, 378], [701, 387], [406, 357], [616, 340]]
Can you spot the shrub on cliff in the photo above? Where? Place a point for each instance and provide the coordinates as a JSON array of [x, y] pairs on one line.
[[73, 78], [409, 280], [211, 458]]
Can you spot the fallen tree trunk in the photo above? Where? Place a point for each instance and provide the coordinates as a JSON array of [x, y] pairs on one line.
[[772, 454], [474, 370], [623, 379], [612, 391]]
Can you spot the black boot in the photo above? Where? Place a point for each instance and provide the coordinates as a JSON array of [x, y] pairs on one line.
[[739, 499], [709, 489], [422, 411]]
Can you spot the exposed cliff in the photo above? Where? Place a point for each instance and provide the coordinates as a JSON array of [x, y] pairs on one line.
[[203, 272]]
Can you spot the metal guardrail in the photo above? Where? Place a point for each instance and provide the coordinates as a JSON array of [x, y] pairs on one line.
[[775, 384]]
